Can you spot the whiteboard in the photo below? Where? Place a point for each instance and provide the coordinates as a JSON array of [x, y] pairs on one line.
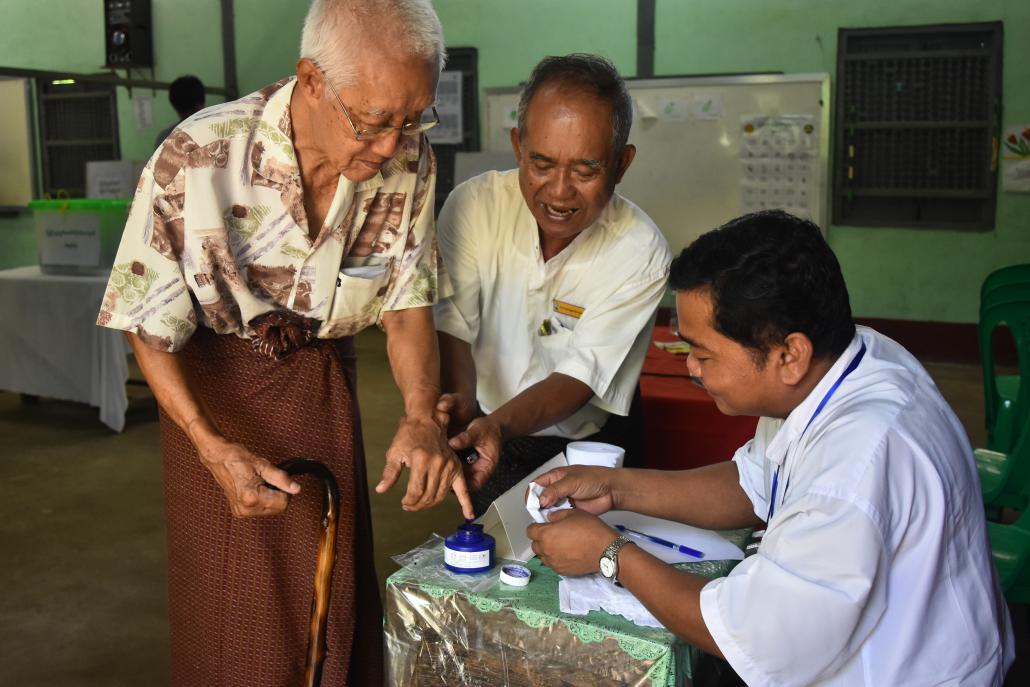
[[712, 148]]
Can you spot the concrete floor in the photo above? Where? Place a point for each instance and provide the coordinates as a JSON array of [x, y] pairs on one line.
[[82, 534]]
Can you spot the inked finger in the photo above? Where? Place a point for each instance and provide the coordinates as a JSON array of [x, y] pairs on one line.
[[461, 490]]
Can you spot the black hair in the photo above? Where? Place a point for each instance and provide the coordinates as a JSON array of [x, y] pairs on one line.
[[187, 95], [769, 274], [592, 74]]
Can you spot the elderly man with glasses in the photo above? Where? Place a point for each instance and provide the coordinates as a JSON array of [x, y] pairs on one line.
[[263, 235]]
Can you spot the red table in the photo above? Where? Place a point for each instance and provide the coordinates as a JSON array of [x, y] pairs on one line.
[[682, 426]]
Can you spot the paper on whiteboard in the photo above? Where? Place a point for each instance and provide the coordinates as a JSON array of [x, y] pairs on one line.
[[504, 118], [448, 107], [713, 545], [1016, 159], [673, 109], [778, 158], [706, 106]]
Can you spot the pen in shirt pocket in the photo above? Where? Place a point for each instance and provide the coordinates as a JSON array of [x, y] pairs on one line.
[[552, 325]]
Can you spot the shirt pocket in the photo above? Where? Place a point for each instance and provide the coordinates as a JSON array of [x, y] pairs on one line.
[[566, 321], [553, 348], [361, 287]]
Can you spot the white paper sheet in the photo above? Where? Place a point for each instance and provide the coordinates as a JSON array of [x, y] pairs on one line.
[[580, 595], [713, 545], [541, 515]]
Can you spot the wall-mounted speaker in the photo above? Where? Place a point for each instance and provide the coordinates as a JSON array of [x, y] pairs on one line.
[[127, 36]]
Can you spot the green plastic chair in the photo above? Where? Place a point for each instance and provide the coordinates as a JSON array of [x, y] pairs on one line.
[[1006, 276], [1006, 404], [1010, 548], [1005, 477]]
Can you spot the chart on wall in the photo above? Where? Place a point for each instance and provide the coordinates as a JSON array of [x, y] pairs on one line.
[[779, 164], [712, 148]]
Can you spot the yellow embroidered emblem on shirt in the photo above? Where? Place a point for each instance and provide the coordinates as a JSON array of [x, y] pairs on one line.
[[563, 308]]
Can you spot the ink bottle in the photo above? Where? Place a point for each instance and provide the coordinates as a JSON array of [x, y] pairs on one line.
[[469, 550]]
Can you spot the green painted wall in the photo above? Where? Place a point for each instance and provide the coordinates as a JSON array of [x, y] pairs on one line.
[[512, 37], [894, 273], [267, 40]]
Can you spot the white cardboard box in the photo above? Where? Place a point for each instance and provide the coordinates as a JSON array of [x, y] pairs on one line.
[[506, 519], [113, 178]]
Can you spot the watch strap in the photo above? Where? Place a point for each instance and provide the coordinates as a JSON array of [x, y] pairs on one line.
[[612, 552]]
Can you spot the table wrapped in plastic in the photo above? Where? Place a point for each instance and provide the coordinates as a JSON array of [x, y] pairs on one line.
[[446, 631]]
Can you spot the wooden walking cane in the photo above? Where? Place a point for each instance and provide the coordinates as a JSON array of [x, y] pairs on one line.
[[324, 566]]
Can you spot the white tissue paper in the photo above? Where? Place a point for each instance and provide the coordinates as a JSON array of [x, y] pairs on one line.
[[594, 453], [580, 595], [533, 504]]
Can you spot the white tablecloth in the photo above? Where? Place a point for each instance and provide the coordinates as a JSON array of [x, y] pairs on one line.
[[51, 346]]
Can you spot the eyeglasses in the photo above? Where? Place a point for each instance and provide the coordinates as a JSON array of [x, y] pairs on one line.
[[369, 133]]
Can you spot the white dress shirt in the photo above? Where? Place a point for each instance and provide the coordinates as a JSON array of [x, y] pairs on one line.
[[875, 568], [598, 297]]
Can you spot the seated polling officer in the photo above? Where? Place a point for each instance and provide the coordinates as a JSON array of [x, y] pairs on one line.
[[875, 568], [556, 282]]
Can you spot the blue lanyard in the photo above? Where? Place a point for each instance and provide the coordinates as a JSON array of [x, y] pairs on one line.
[[822, 404]]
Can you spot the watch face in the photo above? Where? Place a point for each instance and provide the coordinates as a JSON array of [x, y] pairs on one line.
[[607, 567]]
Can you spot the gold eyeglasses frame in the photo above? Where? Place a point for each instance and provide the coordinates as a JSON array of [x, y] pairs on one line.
[[371, 133]]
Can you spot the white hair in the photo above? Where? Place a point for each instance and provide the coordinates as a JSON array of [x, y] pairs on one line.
[[338, 33]]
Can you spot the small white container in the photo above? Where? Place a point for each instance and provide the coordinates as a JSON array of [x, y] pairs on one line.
[[515, 575]]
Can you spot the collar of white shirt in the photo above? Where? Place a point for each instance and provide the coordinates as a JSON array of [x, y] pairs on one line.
[[794, 426], [606, 222]]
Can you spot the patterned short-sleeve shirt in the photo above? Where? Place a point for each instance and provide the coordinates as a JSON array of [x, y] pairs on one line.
[[217, 233]]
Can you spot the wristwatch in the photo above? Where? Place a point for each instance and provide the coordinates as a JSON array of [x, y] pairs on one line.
[[609, 562]]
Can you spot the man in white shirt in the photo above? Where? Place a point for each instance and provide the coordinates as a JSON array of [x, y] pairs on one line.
[[556, 281], [875, 568]]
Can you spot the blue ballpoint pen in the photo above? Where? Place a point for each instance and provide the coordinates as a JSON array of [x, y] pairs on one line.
[[661, 542]]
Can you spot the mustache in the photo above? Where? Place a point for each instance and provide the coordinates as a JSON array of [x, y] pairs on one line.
[[697, 381]]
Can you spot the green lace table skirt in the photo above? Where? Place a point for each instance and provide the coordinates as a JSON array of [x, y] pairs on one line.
[[443, 634]]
